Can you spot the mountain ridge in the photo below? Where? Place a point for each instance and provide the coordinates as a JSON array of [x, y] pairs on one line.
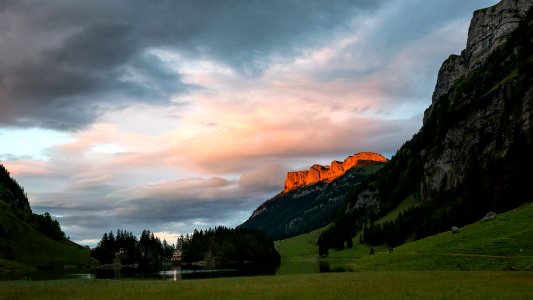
[[309, 206], [316, 173]]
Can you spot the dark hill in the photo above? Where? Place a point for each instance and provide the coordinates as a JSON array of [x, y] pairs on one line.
[[11, 192], [29, 240]]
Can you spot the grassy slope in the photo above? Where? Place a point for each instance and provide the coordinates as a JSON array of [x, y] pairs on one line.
[[502, 243], [409, 202], [300, 247], [498, 244], [31, 248], [358, 285]]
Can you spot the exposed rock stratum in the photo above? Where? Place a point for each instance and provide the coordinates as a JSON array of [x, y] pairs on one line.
[[327, 173]]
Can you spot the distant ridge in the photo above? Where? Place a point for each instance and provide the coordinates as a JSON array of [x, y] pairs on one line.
[[327, 173], [310, 199]]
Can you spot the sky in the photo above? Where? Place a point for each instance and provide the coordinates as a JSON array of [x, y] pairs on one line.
[[175, 115]]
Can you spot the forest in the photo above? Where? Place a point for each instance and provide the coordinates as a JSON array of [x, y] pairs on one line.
[[214, 247], [225, 246]]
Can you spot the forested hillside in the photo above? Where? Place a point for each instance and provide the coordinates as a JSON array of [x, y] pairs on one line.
[[28, 239]]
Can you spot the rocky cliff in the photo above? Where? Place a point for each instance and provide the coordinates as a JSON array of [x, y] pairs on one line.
[[327, 173], [473, 152], [489, 29]]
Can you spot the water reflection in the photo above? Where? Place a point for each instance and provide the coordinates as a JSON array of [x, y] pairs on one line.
[[189, 272]]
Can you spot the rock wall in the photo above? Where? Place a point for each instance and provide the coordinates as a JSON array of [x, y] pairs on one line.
[[470, 138], [489, 29], [327, 173]]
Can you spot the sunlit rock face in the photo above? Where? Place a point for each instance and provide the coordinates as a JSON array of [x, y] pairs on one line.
[[327, 173]]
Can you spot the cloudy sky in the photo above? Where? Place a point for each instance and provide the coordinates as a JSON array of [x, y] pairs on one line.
[[175, 115]]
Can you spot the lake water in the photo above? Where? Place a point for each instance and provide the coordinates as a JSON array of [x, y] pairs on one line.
[[185, 273]]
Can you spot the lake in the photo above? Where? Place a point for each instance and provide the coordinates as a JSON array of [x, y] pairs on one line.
[[188, 272]]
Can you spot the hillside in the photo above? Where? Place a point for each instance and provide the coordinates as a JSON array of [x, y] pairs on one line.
[[11, 192], [28, 240], [308, 207], [499, 244], [473, 152]]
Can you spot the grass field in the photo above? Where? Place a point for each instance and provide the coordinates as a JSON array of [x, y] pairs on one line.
[[500, 244], [358, 285]]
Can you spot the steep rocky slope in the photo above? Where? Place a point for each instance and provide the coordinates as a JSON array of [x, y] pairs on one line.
[[312, 201], [473, 153]]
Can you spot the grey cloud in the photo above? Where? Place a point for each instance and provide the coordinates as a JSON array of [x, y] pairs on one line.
[[88, 212], [5, 4], [269, 177], [64, 62], [96, 46], [11, 157]]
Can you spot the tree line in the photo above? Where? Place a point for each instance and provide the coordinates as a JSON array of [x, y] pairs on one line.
[[220, 246], [147, 252], [226, 246]]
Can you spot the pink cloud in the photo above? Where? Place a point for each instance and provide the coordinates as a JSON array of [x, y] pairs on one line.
[[26, 167]]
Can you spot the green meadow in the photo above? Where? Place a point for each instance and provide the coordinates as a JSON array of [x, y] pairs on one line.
[[504, 243], [357, 285]]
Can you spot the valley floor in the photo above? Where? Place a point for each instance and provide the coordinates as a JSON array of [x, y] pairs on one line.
[[360, 285]]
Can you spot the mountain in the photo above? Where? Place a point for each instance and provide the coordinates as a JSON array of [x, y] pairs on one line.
[[29, 240], [473, 153], [311, 198], [327, 173]]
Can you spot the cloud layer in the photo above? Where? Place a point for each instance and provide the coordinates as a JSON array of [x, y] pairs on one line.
[[64, 63], [175, 115]]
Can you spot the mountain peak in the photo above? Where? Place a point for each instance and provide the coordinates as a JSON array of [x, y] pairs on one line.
[[327, 173]]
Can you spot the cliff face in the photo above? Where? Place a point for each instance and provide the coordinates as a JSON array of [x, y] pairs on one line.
[[489, 29], [474, 136], [327, 173]]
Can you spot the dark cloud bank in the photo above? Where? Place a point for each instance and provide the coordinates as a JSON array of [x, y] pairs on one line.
[[63, 62]]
